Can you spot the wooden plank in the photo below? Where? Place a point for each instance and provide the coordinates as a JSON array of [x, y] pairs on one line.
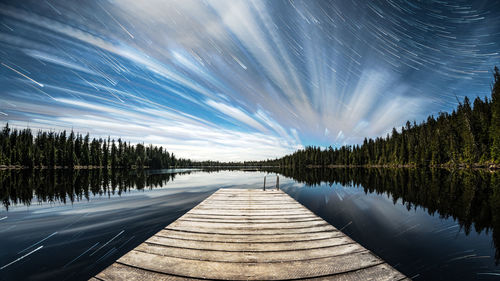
[[248, 247], [267, 206], [253, 213], [249, 271], [254, 197], [120, 272], [381, 272], [248, 207], [247, 221], [272, 231], [240, 199], [247, 218], [243, 238], [258, 198], [220, 202], [249, 234], [248, 190], [253, 257], [251, 226], [266, 196]]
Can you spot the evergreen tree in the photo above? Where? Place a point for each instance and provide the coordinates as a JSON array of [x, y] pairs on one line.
[[495, 118]]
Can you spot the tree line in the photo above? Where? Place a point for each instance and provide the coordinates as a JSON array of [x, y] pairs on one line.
[[24, 149], [21, 148], [470, 136]]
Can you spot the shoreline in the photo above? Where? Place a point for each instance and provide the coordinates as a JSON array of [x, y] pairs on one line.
[[440, 166], [491, 167]]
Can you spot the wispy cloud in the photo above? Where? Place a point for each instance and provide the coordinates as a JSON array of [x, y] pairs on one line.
[[237, 114]]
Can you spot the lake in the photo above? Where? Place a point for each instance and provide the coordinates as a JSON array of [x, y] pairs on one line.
[[429, 224]]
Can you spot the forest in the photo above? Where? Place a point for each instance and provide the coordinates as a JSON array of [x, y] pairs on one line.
[[468, 136], [24, 149], [21, 148]]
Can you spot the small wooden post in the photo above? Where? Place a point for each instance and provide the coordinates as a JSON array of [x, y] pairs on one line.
[[264, 183], [277, 182]]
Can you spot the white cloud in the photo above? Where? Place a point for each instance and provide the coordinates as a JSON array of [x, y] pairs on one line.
[[237, 114]]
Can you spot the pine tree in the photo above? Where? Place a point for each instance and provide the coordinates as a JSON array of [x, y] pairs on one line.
[[495, 118]]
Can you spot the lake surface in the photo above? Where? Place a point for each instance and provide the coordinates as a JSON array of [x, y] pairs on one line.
[[429, 224]]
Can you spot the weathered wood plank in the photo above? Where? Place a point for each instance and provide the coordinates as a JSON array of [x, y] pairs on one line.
[[245, 226], [247, 190], [255, 231], [249, 234], [257, 205], [254, 197], [243, 200], [250, 207], [248, 247], [381, 272], [249, 271], [246, 218], [257, 198], [121, 272], [247, 221], [248, 213], [243, 238], [118, 271], [254, 257]]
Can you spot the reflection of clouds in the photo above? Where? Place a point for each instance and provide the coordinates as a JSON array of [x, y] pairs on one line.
[[239, 79]]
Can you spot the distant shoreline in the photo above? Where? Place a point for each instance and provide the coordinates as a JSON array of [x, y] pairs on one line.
[[447, 166], [492, 167], [90, 167]]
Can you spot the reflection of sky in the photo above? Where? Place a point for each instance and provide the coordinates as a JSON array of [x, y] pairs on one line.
[[241, 79]]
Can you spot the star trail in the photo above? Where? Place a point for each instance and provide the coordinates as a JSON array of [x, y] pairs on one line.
[[241, 80]]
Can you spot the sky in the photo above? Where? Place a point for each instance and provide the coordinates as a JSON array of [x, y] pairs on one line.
[[241, 80]]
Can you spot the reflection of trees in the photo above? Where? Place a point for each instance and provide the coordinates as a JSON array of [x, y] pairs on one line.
[[22, 186], [61, 185], [472, 197]]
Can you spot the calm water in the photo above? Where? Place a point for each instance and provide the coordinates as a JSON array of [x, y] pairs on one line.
[[429, 224]]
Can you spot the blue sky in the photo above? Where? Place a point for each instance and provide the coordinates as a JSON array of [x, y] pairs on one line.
[[241, 80]]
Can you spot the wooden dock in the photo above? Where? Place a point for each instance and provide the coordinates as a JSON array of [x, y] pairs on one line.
[[249, 234]]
